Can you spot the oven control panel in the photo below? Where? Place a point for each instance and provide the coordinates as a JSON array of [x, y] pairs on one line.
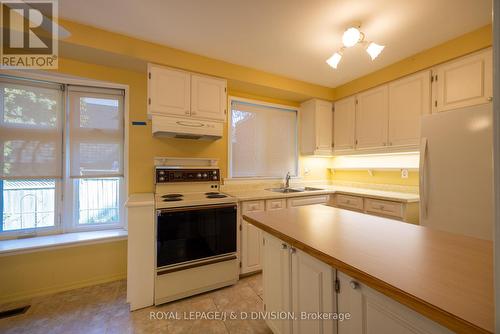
[[166, 175]]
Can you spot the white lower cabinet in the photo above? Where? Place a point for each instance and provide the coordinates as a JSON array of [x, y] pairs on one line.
[[251, 237], [294, 281], [298, 284], [276, 266], [309, 200], [373, 313], [251, 240]]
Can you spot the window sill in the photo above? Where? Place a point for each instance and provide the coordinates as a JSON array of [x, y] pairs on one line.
[[49, 242]]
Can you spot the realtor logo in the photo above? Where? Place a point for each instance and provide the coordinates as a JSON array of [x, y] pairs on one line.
[[29, 34]]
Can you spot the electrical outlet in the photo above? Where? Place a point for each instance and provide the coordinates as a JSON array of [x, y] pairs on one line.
[[307, 171], [404, 173]]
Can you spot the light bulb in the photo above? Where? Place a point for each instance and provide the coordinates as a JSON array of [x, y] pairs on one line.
[[350, 37], [374, 50], [334, 60]]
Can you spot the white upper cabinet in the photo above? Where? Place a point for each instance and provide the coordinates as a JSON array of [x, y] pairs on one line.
[[409, 99], [344, 124], [372, 112], [208, 97], [316, 127], [464, 82], [175, 92], [169, 91]]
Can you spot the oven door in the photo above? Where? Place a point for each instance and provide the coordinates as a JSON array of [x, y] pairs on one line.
[[189, 234]]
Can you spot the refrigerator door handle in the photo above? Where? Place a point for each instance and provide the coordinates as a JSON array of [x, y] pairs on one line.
[[422, 179]]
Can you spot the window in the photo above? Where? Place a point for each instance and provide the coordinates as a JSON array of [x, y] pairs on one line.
[[61, 157], [263, 140]]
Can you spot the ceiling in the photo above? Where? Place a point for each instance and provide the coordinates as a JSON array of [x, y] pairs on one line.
[[292, 38]]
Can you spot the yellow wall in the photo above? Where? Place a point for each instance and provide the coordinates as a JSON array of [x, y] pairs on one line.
[[465, 44], [106, 56], [460, 46], [379, 177], [108, 48], [27, 275]]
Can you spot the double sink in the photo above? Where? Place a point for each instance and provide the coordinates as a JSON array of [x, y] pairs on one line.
[[293, 190]]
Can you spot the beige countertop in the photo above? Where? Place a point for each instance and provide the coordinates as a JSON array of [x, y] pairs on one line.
[[259, 194], [446, 277], [140, 199]]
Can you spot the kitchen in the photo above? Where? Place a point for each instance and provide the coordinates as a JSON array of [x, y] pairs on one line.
[[190, 157]]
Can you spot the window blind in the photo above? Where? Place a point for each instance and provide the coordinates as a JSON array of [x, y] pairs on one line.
[[95, 132], [31, 130], [263, 140]]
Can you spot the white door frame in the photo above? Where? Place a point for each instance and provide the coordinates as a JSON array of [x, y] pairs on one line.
[[496, 153]]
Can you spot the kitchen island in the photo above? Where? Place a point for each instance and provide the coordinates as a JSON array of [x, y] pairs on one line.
[[445, 277]]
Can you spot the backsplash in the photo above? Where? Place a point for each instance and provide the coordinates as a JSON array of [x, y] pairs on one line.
[[377, 186]]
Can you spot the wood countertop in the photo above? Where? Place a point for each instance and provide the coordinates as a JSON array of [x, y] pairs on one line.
[[446, 277]]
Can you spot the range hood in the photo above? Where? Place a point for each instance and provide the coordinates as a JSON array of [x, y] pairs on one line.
[[176, 127]]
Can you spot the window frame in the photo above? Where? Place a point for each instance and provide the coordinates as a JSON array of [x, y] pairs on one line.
[[229, 132], [66, 196]]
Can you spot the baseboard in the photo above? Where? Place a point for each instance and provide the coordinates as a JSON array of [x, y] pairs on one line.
[[60, 288]]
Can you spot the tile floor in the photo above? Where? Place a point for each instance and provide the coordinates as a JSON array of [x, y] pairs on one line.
[[102, 309]]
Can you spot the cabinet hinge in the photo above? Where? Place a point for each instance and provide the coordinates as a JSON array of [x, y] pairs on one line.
[[149, 100], [356, 142], [337, 285], [240, 227], [225, 89], [356, 101], [240, 264], [435, 103], [263, 241], [432, 78], [436, 77], [149, 75]]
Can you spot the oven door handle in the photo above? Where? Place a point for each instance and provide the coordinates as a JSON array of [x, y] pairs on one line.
[[196, 208]]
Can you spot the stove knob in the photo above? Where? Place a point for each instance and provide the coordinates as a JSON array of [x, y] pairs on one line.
[[198, 175], [214, 177], [161, 178], [205, 175], [214, 172], [161, 172]]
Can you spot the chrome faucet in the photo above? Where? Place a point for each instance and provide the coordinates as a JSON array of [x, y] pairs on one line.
[[287, 180]]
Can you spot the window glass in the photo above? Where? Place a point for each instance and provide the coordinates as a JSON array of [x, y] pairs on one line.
[[263, 141], [98, 201], [27, 204]]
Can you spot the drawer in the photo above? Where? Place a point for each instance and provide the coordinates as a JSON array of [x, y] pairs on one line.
[[252, 206], [275, 204], [387, 208], [309, 200], [349, 202]]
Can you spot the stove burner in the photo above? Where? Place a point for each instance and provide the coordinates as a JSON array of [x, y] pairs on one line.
[[212, 193], [172, 196], [172, 199], [216, 196]]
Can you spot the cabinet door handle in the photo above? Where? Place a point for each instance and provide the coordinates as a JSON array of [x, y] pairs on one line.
[[284, 246], [354, 285], [292, 250], [490, 98]]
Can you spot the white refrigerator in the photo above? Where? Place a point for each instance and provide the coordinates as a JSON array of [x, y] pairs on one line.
[[456, 171]]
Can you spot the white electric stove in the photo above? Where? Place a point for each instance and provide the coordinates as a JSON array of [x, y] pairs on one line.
[[196, 232], [188, 186]]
